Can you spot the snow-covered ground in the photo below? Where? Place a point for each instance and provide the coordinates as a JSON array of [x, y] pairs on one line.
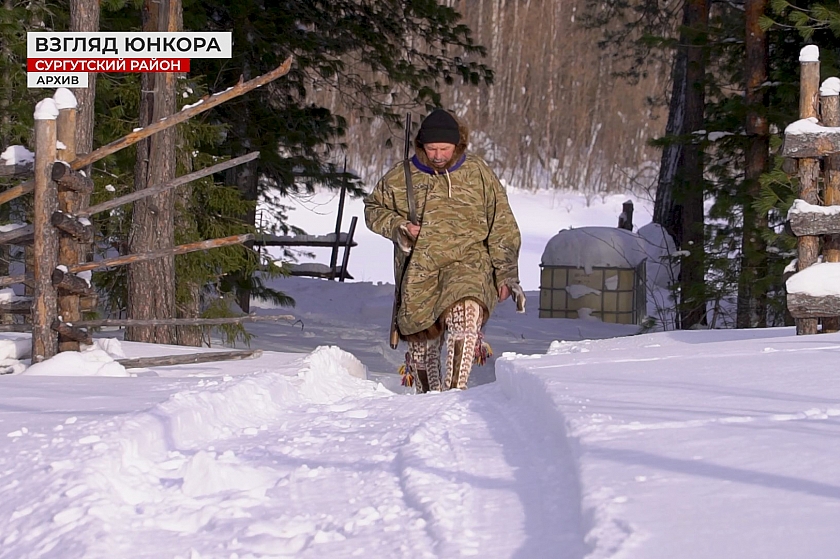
[[577, 440]]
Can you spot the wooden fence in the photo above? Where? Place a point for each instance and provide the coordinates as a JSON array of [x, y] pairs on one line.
[[60, 229], [813, 143]]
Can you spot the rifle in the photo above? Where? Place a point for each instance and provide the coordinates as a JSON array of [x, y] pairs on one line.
[[394, 337]]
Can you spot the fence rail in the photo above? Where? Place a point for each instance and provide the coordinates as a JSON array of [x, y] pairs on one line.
[[59, 230]]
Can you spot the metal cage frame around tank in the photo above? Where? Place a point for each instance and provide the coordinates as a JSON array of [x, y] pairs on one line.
[[559, 298]]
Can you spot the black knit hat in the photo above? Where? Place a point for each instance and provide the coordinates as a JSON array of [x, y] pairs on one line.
[[439, 127]]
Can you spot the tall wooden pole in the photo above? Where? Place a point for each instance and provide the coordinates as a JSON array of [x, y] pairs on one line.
[[337, 243], [69, 251], [830, 109], [45, 247], [808, 247]]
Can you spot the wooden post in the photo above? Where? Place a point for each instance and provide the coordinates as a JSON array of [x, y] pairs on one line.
[[830, 109], [69, 252], [625, 220], [346, 258], [45, 248], [334, 253], [808, 247]]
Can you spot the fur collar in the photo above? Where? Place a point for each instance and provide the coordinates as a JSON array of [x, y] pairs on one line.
[[429, 170]]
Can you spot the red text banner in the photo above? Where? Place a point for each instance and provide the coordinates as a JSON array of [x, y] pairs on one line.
[[107, 65]]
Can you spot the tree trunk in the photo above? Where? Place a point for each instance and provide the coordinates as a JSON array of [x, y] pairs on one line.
[[752, 292], [151, 285], [84, 16], [5, 119], [690, 184], [665, 209]]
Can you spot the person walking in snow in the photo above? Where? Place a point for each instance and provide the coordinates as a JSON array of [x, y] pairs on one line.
[[462, 253]]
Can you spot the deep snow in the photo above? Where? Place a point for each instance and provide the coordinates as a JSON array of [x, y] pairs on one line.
[[701, 444]]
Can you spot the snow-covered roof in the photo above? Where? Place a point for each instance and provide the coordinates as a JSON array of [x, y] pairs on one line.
[[590, 247]]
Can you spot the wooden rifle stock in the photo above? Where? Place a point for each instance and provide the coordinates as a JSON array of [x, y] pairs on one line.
[[394, 337]]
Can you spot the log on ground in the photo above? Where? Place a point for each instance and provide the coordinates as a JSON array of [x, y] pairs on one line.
[[185, 359]]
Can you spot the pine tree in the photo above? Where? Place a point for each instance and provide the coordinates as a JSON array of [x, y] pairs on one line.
[[681, 187]]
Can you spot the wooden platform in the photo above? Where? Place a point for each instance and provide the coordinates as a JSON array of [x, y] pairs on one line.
[[316, 270], [324, 241], [333, 271]]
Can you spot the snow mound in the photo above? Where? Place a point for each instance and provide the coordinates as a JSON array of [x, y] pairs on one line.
[[92, 362], [64, 99], [233, 404]]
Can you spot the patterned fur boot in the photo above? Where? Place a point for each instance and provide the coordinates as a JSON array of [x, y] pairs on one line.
[[423, 364], [463, 323]]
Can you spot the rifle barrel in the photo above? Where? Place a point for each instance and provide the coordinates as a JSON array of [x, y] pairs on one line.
[[409, 189]]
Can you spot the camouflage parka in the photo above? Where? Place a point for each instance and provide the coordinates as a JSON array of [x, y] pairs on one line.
[[469, 241]]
